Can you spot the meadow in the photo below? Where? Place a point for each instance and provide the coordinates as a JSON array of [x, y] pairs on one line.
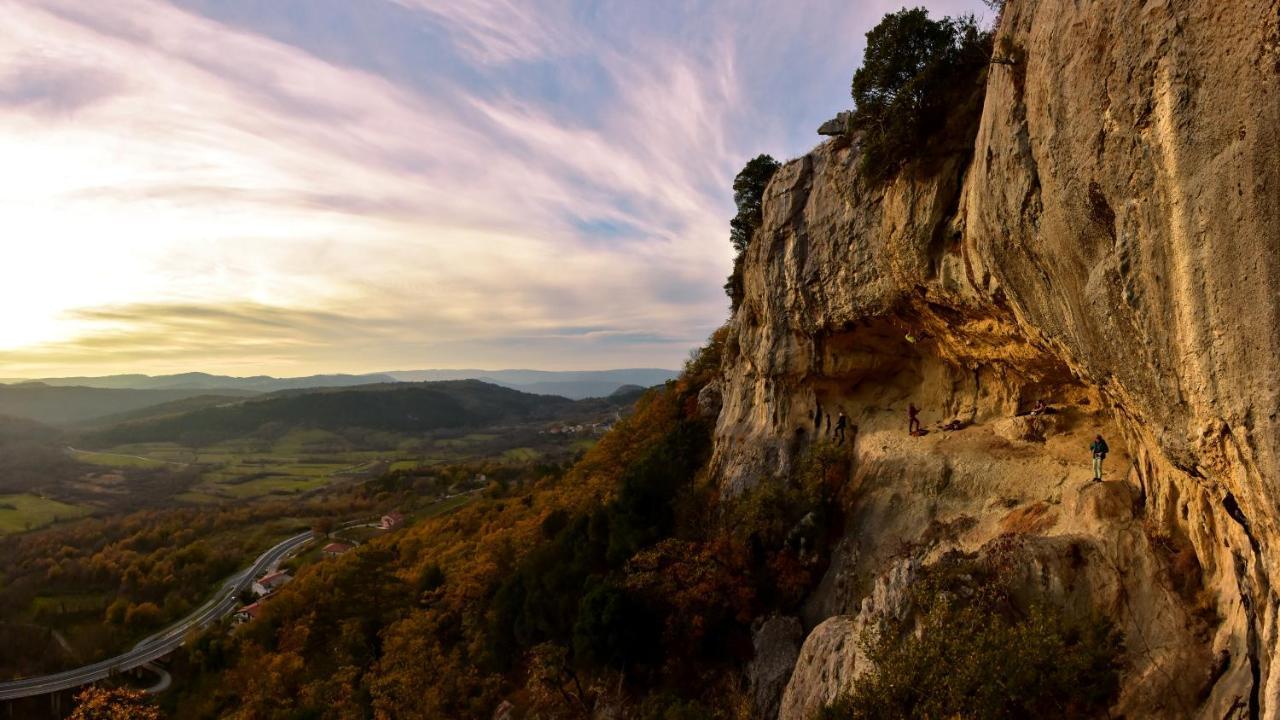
[[306, 460], [19, 513]]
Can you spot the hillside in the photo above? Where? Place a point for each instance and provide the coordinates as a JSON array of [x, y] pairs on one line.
[[64, 405], [397, 408], [31, 457], [575, 385], [156, 412]]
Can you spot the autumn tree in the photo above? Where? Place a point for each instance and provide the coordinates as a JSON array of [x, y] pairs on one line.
[[97, 703]]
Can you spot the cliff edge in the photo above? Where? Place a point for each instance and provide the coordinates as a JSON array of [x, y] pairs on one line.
[[1109, 244]]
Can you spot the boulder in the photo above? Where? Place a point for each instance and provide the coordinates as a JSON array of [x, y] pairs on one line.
[[1027, 428], [841, 124]]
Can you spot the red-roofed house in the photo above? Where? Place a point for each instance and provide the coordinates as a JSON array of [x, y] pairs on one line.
[[391, 520], [334, 549], [271, 582], [248, 612]]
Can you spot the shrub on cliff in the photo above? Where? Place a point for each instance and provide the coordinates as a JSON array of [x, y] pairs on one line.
[[748, 195], [971, 653], [916, 74]]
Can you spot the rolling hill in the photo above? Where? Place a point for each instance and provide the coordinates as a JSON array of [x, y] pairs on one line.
[[59, 405], [396, 407], [575, 384], [31, 456]]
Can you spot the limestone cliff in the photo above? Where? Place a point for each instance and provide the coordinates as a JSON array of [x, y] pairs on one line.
[[1110, 243]]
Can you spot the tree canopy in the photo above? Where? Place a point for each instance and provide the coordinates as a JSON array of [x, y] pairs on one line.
[[748, 196], [914, 73]]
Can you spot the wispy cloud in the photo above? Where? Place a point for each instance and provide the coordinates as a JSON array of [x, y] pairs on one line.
[[322, 185]]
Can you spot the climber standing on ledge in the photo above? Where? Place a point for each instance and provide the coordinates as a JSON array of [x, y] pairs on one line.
[[913, 419], [1099, 449], [841, 422]]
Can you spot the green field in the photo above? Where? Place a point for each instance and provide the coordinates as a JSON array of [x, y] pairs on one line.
[[303, 460], [445, 506], [19, 513], [522, 454], [273, 485], [117, 460]]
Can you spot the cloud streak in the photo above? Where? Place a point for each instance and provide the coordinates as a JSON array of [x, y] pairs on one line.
[[317, 185]]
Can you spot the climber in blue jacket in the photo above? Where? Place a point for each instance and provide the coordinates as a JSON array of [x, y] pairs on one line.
[[1099, 449]]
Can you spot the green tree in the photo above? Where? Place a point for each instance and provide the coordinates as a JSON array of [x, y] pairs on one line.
[[915, 73], [748, 196], [613, 629]]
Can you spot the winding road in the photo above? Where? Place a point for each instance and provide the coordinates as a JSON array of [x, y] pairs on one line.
[[163, 642]]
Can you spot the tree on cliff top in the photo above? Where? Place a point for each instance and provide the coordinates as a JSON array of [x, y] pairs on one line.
[[916, 73], [748, 195]]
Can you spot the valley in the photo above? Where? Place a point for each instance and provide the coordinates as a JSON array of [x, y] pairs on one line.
[[150, 511], [293, 443]]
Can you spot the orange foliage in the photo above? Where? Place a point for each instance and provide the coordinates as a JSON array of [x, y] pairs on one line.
[[96, 703]]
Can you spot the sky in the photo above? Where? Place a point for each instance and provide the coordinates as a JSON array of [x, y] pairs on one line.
[[308, 186]]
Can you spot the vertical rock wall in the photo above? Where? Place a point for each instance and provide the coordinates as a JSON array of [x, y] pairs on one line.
[[1112, 237]]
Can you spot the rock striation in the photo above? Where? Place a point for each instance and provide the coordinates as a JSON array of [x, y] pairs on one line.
[[1110, 241]]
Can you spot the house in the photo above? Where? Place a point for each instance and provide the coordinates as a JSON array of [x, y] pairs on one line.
[[248, 612], [334, 549], [391, 520], [270, 582]]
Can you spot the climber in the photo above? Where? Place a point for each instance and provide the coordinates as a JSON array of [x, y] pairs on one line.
[[841, 422], [1040, 408], [913, 418], [1099, 449]]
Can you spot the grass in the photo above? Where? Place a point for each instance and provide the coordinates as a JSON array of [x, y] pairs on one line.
[[301, 441], [19, 513], [116, 460], [358, 535], [199, 498], [445, 506], [68, 605], [465, 440], [271, 485], [521, 454]]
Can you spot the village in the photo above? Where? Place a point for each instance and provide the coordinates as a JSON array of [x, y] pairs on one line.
[[276, 577]]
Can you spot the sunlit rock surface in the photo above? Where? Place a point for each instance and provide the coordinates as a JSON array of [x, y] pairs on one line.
[[1111, 243]]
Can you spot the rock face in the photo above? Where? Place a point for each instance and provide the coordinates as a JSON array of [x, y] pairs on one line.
[[777, 644], [1109, 243]]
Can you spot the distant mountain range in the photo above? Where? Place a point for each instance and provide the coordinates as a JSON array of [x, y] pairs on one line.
[[399, 407], [205, 381], [114, 398]]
